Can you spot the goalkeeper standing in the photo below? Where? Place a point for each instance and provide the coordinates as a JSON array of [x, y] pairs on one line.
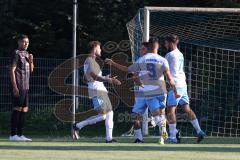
[[20, 68]]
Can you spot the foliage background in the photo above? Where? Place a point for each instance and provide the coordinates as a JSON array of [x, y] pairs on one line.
[[49, 23]]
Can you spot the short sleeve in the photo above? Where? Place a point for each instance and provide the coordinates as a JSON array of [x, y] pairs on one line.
[[135, 67], [165, 65], [167, 57], [14, 59], [88, 66]]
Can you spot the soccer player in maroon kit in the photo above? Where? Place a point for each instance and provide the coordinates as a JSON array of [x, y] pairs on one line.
[[20, 68]]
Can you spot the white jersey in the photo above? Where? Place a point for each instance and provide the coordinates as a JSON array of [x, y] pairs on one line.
[[90, 65], [151, 67], [176, 63]]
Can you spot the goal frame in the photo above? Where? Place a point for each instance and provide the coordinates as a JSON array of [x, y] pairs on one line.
[[146, 31]]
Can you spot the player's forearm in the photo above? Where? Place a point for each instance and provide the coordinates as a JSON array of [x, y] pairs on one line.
[[98, 78], [120, 67], [13, 78], [172, 84], [31, 67], [171, 81], [101, 78]]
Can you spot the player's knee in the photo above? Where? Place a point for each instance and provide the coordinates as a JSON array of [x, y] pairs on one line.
[[137, 124], [186, 108], [104, 116], [102, 111], [190, 115], [160, 120], [25, 109], [156, 113], [171, 117]]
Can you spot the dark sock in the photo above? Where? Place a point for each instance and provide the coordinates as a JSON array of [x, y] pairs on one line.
[[21, 124], [14, 122]]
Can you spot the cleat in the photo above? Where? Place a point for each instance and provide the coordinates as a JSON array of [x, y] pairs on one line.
[[23, 138], [161, 141], [75, 135], [15, 138], [138, 141], [165, 135], [111, 141], [172, 140], [178, 136], [200, 136]]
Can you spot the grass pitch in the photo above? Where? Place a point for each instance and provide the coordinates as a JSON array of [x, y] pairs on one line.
[[94, 148]]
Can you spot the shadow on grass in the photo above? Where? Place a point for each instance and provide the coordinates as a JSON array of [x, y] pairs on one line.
[[124, 148]]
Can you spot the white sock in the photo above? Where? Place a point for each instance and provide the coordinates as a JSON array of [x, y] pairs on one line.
[[138, 134], [172, 130], [196, 125], [163, 122], [109, 125], [91, 120], [158, 120]]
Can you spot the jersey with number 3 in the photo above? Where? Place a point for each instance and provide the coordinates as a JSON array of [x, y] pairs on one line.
[[176, 63], [151, 66]]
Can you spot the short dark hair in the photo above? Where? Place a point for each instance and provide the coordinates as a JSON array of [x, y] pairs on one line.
[[172, 38], [21, 37], [93, 44], [145, 44], [153, 40]]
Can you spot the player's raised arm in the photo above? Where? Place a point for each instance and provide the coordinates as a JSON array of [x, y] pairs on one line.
[[107, 78], [92, 69], [117, 65]]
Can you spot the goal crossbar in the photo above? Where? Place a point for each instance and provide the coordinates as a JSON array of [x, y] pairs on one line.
[[190, 9]]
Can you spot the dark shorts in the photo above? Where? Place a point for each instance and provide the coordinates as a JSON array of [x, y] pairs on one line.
[[22, 100]]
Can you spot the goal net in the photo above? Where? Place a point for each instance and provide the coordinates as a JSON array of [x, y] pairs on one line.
[[210, 42]]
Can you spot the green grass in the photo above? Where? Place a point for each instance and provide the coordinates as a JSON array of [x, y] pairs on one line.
[[94, 148]]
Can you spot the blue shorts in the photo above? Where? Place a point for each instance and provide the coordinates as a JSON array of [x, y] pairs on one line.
[[184, 99], [153, 103]]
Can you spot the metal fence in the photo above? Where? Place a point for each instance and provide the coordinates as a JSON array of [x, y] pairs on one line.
[[42, 98]]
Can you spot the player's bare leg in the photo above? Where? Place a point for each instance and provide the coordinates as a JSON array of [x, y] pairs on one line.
[[137, 129], [191, 116]]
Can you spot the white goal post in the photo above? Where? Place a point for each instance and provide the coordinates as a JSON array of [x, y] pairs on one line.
[[146, 25]]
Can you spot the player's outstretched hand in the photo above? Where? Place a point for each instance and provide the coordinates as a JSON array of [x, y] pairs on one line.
[[108, 61], [113, 80]]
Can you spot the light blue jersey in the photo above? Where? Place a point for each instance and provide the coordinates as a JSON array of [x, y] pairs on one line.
[[176, 63], [151, 66]]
